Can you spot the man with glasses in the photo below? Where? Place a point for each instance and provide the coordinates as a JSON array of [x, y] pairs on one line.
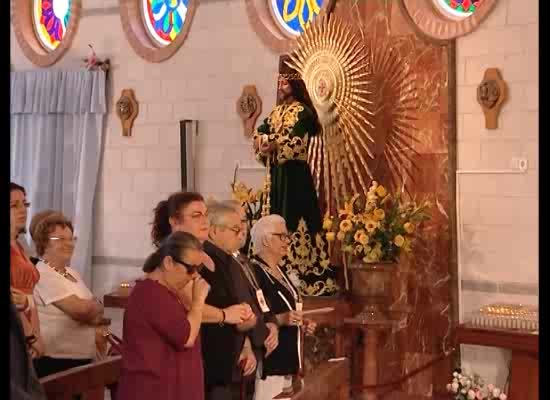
[[229, 359]]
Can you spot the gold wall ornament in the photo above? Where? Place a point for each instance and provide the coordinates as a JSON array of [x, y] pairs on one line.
[[492, 92], [127, 110], [365, 97], [249, 108]]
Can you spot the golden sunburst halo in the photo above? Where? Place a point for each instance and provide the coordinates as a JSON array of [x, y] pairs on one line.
[[364, 94]]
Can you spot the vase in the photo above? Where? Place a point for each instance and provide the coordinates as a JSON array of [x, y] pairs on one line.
[[371, 287]]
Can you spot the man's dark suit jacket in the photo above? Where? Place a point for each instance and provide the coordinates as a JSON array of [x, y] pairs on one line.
[[24, 384], [222, 345]]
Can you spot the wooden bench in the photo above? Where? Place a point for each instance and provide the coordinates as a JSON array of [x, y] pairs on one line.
[[329, 381], [89, 381]]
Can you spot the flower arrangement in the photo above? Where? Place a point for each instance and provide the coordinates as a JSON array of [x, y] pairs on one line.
[[472, 387], [376, 228], [251, 200]]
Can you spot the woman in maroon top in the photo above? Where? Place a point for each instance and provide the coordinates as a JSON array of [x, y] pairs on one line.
[[161, 355]]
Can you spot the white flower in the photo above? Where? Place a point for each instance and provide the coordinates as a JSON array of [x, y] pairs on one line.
[[471, 394], [455, 374], [448, 387], [468, 382], [459, 376], [454, 387], [496, 392], [502, 396], [490, 387], [464, 391], [455, 380]]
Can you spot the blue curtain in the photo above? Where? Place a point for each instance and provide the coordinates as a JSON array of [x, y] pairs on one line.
[[57, 121]]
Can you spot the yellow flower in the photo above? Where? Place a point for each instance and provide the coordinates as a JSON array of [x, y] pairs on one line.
[[340, 236], [381, 191], [372, 256], [399, 240], [346, 225], [379, 214], [358, 235], [327, 223], [371, 225], [348, 248], [409, 227], [330, 236], [363, 239]]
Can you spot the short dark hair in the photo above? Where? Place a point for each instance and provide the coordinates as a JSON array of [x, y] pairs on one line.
[[14, 186], [173, 245], [167, 209]]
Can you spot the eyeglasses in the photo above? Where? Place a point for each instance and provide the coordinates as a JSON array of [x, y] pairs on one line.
[[20, 204], [60, 239], [282, 236], [234, 229], [191, 269], [196, 215]]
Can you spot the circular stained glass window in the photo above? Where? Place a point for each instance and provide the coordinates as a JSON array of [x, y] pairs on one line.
[[164, 19], [459, 8], [51, 19], [294, 15]]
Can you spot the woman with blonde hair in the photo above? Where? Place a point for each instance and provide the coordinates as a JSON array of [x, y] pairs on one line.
[[69, 313]]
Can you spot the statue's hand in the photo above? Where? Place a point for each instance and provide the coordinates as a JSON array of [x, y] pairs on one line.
[[267, 148]]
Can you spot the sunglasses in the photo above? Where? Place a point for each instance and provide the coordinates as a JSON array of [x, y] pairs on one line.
[[191, 269]]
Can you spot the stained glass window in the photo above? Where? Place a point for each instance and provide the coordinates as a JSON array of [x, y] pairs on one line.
[[459, 8], [51, 19], [164, 19], [294, 15]]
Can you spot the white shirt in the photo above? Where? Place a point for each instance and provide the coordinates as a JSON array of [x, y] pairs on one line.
[[63, 336]]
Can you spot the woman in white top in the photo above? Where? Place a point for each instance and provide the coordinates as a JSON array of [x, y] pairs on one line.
[[67, 309]]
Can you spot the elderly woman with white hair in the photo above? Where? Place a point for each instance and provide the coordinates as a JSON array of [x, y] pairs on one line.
[[270, 240]]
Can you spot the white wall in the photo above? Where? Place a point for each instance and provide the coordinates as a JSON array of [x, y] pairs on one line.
[[499, 213], [201, 81]]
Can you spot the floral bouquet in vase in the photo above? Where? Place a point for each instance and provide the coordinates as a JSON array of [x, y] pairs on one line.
[[472, 387], [372, 232]]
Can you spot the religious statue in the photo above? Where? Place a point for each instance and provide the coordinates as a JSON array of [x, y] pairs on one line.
[[281, 144]]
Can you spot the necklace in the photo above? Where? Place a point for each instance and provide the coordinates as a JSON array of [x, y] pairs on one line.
[[65, 274]]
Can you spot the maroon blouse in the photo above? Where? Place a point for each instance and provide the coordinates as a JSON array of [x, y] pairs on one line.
[[155, 363]]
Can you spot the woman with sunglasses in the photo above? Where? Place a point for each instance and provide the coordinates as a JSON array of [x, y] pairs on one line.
[[69, 313], [270, 242], [161, 354]]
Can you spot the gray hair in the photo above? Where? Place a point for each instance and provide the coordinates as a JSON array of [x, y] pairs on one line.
[[262, 228], [236, 205], [218, 211]]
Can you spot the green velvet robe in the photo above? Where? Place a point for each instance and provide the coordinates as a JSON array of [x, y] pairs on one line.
[[293, 194]]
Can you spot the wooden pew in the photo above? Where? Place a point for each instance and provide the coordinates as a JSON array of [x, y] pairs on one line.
[[329, 381], [88, 380]]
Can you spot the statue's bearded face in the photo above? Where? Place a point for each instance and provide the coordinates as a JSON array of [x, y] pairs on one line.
[[284, 90]]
